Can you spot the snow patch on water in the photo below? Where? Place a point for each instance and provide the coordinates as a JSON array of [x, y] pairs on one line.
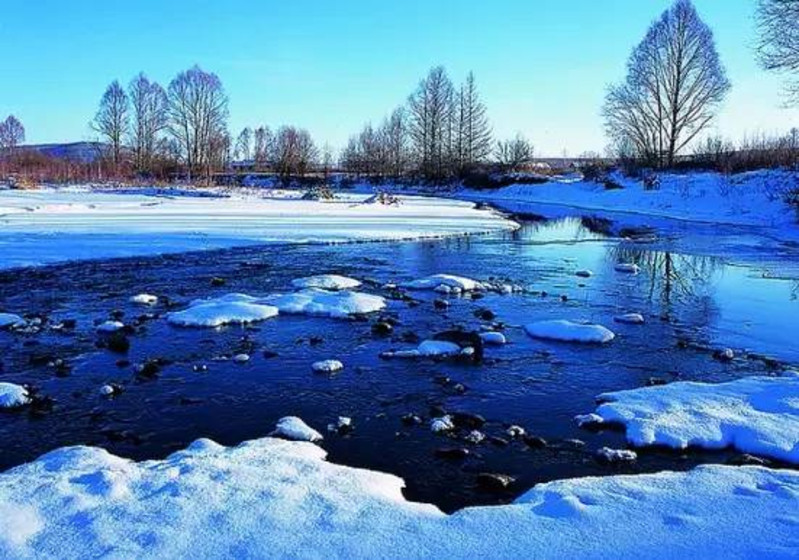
[[326, 282], [228, 309], [568, 331], [326, 303], [13, 395]]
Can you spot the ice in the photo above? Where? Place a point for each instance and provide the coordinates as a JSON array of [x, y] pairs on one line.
[[271, 498], [64, 224], [609, 455], [10, 320], [326, 303], [628, 268], [231, 308], [757, 415], [326, 282], [442, 424], [293, 428], [12, 395], [567, 331], [445, 283]]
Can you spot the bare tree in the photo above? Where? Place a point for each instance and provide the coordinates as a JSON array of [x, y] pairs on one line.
[[394, 134], [675, 83], [473, 144], [198, 112], [430, 110], [515, 153], [112, 118], [242, 151], [263, 147], [778, 49], [12, 133], [149, 111], [295, 151]]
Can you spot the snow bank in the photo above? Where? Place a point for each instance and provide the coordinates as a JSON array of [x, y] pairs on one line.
[[13, 396], [231, 308], [9, 320], [326, 282], [751, 199], [444, 282], [280, 499], [326, 303], [55, 225], [567, 331], [758, 415]]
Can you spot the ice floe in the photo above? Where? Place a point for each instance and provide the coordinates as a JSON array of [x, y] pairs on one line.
[[228, 309], [326, 282], [327, 303], [13, 395], [568, 331], [293, 428], [270, 498], [757, 415]]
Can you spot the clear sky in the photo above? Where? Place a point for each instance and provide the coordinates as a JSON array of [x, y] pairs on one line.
[[330, 66]]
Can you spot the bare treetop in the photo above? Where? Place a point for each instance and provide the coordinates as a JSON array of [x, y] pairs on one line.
[[778, 49]]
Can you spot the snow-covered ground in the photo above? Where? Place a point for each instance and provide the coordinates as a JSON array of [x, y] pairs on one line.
[[271, 498], [758, 415], [750, 199], [54, 225]]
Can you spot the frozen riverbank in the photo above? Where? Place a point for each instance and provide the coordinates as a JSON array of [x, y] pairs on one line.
[[56, 225], [273, 499]]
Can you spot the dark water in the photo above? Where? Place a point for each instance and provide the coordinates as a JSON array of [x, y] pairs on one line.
[[737, 289]]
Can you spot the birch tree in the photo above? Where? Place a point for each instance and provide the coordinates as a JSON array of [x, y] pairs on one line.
[[149, 119], [112, 119]]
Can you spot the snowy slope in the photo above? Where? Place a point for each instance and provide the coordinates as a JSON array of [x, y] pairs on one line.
[[278, 499], [53, 225]]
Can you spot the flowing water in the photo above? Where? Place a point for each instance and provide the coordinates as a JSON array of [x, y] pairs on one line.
[[700, 288]]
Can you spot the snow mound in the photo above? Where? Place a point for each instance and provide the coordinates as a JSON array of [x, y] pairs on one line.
[[326, 303], [110, 327], [431, 348], [144, 299], [630, 318], [231, 308], [9, 320], [567, 331], [327, 366], [757, 415], [445, 283], [293, 428], [326, 282], [271, 498], [493, 338], [13, 396]]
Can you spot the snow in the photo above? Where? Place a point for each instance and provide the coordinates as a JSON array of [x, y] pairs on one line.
[[746, 199], [271, 498], [326, 282], [756, 415], [616, 455], [144, 299], [241, 358], [431, 348], [630, 318], [444, 283], [568, 331], [9, 320], [230, 308], [327, 366], [493, 338], [110, 327], [12, 395], [63, 224], [441, 425], [293, 428], [326, 303]]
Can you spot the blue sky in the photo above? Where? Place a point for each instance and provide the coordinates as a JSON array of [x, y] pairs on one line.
[[542, 66]]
